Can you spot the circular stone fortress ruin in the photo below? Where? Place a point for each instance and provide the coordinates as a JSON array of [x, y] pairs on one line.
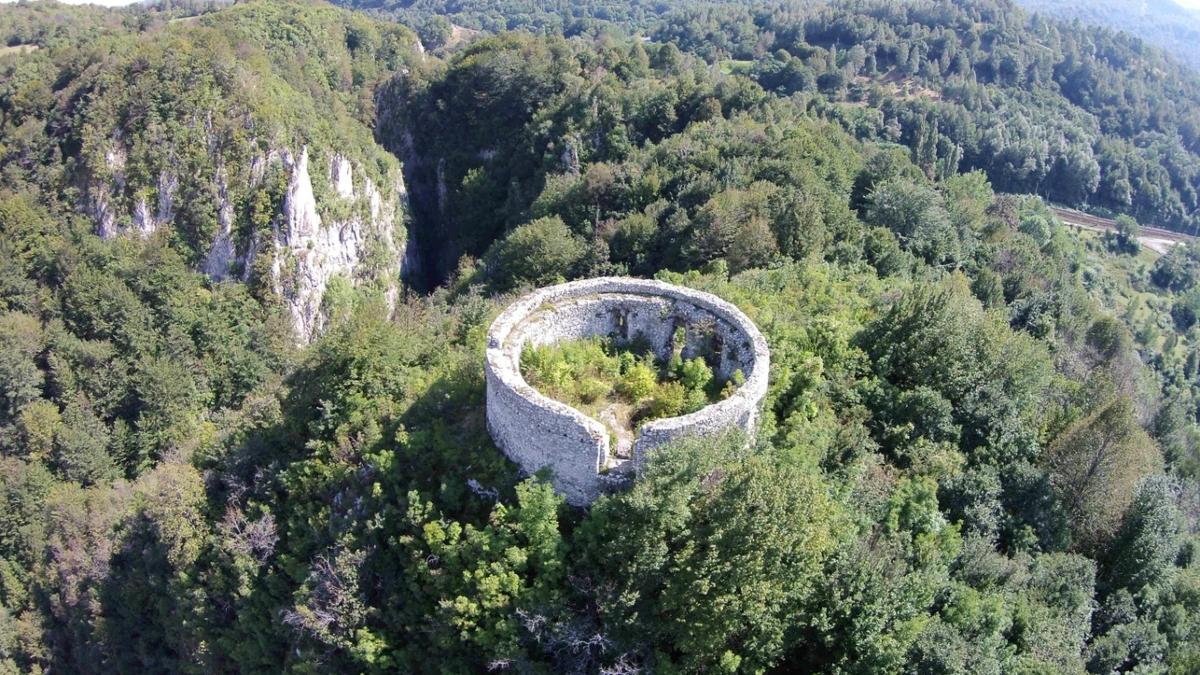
[[538, 432]]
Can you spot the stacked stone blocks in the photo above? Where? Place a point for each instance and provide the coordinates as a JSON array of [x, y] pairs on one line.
[[538, 432]]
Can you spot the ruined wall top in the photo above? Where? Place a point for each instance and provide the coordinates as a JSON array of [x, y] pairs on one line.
[[537, 431]]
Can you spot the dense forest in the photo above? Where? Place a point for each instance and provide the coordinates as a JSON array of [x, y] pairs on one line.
[[1080, 115], [979, 450], [1165, 24]]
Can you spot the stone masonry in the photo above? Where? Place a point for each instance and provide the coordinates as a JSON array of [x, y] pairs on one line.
[[538, 432]]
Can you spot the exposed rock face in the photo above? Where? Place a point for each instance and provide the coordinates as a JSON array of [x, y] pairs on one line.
[[168, 183], [143, 220], [309, 253], [101, 192], [363, 240], [342, 176], [145, 223], [220, 257], [536, 431], [104, 194], [570, 157]]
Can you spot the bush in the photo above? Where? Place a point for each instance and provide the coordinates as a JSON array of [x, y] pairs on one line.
[[1126, 238], [639, 381], [537, 253]]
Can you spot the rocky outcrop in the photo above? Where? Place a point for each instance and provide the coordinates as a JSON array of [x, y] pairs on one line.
[[361, 236], [103, 190], [570, 156], [361, 246], [341, 175], [146, 223], [104, 194]]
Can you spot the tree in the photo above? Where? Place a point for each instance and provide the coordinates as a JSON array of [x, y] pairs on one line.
[[1179, 269], [1052, 617], [152, 609], [734, 225], [330, 609], [1126, 238], [81, 446], [916, 214], [20, 379], [938, 340], [1095, 464], [475, 582], [435, 31], [968, 197], [724, 545], [536, 253], [1144, 550]]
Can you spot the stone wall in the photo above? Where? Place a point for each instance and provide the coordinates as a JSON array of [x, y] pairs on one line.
[[536, 431]]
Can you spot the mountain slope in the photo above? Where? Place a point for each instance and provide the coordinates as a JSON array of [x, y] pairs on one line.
[[244, 136], [1162, 23], [1080, 115], [978, 451]]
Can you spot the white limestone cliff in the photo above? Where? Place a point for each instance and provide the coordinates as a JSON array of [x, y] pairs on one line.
[[310, 252], [146, 223], [341, 175], [362, 241], [104, 195], [102, 190]]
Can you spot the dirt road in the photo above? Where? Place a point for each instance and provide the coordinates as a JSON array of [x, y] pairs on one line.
[[1154, 238]]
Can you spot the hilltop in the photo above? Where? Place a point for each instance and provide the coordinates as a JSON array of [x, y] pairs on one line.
[[249, 255]]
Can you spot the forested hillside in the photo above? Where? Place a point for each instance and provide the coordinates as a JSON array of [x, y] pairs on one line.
[[1080, 115], [205, 128], [979, 450], [1163, 23]]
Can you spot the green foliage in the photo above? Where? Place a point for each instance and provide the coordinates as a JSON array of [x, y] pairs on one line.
[[939, 343], [594, 150], [1125, 239], [1148, 542], [178, 117], [1164, 24], [620, 384], [708, 519], [915, 214], [1080, 114], [1177, 270], [479, 578], [535, 254], [733, 226], [20, 379], [958, 461], [1095, 465]]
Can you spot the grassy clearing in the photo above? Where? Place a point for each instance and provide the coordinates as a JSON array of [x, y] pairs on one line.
[[736, 67], [1121, 284]]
